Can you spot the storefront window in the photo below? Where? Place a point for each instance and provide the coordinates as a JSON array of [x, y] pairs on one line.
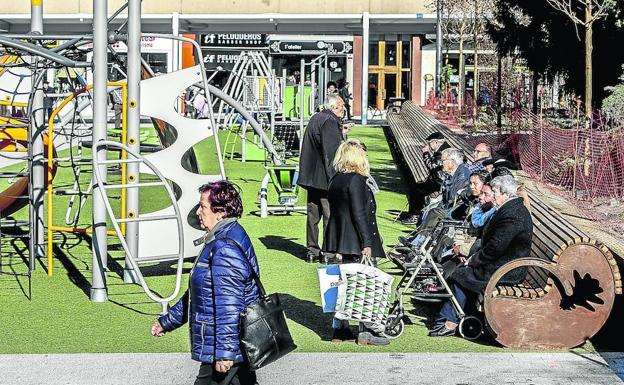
[[406, 84], [391, 53], [373, 53], [406, 55]]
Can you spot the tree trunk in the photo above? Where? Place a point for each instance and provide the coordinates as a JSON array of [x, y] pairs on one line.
[[534, 91], [499, 94], [589, 47], [476, 62]]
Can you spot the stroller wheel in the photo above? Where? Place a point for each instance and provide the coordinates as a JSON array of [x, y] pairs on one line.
[[394, 328], [470, 328]]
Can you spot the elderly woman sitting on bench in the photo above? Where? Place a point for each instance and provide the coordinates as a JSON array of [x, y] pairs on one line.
[[506, 237]]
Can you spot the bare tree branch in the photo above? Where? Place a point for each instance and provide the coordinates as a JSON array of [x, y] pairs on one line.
[[574, 8]]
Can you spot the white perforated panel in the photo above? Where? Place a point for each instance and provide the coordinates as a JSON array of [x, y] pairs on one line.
[[158, 97]]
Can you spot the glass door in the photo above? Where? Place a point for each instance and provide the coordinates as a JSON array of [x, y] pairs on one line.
[[389, 89], [373, 89]]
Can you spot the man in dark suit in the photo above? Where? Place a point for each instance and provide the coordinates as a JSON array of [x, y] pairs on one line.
[[432, 154], [506, 237], [320, 142]]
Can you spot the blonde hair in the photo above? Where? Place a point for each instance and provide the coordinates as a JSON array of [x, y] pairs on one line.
[[351, 157]]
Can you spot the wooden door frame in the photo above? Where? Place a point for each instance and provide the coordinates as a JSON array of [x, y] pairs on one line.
[[382, 69]]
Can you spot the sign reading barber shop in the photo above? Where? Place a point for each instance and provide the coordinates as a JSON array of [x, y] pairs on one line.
[[312, 47], [235, 40]]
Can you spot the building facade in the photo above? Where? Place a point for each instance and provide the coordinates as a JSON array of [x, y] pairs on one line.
[[383, 49]]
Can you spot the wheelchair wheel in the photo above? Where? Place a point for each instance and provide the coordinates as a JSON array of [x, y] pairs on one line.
[[470, 328], [394, 329]]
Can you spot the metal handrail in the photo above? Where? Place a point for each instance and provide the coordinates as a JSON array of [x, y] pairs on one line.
[[164, 301]]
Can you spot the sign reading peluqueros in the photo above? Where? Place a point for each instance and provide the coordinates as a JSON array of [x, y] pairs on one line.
[[235, 40]]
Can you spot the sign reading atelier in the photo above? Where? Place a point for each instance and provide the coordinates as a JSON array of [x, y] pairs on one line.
[[235, 40], [332, 47]]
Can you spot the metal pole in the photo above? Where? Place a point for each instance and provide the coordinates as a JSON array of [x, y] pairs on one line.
[[38, 160], [365, 48], [315, 66], [175, 27], [439, 42], [117, 12], [301, 101], [326, 76], [100, 105], [133, 127], [273, 95]]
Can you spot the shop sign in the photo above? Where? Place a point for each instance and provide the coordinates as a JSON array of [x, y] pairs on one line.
[[313, 47], [235, 40], [225, 59]]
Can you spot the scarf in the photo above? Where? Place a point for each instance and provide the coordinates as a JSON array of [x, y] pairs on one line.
[[210, 235], [372, 185]]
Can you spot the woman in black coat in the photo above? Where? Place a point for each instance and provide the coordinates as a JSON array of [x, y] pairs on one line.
[[352, 228]]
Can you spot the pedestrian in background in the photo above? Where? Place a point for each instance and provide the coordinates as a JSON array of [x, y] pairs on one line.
[[321, 139]]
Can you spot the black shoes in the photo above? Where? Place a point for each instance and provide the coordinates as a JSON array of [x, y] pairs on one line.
[[313, 257], [343, 335], [443, 332], [411, 220], [436, 328], [332, 259], [406, 241]]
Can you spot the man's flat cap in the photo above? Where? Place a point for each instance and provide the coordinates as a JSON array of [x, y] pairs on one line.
[[435, 136]]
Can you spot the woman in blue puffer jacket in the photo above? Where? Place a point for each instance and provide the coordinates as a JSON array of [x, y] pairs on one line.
[[221, 285]]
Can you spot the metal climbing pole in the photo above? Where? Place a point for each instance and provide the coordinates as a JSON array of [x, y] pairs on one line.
[[100, 105], [36, 138], [134, 121]]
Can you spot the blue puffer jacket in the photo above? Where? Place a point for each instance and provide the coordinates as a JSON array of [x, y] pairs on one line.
[[217, 297]]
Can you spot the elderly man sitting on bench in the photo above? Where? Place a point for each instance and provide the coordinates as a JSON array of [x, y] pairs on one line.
[[506, 237]]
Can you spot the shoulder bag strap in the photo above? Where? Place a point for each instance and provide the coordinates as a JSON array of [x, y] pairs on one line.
[[254, 276]]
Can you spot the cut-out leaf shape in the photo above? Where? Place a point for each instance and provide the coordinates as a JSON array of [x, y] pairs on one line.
[[584, 293]]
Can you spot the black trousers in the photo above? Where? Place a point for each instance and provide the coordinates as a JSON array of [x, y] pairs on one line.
[[318, 206], [239, 374], [418, 192]]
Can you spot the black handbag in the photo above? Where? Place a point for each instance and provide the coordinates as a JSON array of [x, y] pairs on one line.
[[264, 334]]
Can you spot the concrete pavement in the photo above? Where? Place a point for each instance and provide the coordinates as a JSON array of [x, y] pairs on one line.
[[326, 369]]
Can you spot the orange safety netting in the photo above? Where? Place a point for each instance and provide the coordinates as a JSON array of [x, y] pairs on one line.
[[584, 165]]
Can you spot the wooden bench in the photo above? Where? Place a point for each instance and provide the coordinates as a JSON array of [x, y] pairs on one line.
[[571, 279]]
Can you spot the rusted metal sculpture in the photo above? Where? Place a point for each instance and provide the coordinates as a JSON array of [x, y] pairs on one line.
[[566, 307]]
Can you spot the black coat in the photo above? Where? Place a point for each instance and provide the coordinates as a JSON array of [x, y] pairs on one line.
[[320, 142], [506, 237], [433, 162], [352, 224]]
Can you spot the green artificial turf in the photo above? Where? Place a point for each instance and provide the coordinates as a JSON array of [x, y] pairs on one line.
[[60, 317]]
